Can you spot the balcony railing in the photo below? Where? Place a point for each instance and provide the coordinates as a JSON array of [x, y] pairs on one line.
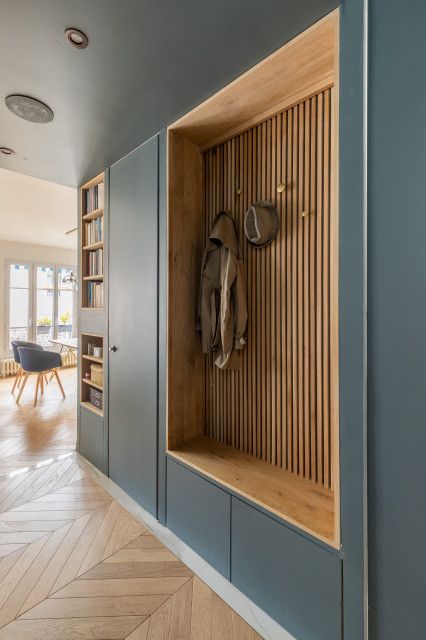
[[44, 333]]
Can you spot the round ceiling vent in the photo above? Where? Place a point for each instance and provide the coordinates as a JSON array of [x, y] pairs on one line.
[[29, 108], [6, 151], [76, 38]]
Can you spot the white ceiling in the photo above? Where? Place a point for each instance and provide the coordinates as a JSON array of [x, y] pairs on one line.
[[36, 211]]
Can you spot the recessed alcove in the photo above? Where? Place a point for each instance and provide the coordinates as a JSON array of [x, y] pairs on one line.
[[268, 431]]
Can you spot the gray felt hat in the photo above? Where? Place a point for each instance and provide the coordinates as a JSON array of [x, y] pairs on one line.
[[261, 223]]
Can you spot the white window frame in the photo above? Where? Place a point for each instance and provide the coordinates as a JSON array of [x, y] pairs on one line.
[[32, 302], [7, 346]]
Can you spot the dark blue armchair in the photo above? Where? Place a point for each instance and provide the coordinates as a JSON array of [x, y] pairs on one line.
[[39, 362], [15, 348]]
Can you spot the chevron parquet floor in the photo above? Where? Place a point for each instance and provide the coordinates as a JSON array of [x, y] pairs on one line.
[[74, 564]]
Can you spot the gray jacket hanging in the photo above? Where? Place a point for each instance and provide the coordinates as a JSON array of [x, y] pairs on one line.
[[222, 306]]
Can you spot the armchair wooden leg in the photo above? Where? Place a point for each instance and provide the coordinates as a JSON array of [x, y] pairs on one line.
[[18, 375], [24, 382], [55, 373], [45, 379], [36, 389], [42, 383]]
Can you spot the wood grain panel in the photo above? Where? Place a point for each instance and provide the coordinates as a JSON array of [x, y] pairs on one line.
[[185, 241], [297, 70], [277, 406]]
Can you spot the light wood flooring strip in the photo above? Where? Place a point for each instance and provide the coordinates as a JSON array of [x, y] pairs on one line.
[[194, 613], [92, 628]]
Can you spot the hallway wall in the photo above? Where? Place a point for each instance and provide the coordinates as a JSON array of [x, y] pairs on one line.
[[397, 320]]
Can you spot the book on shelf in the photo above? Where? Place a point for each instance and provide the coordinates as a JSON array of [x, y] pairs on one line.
[[93, 198], [96, 263], [95, 294], [94, 231]]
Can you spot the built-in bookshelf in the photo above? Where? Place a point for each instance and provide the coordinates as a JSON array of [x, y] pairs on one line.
[[92, 243], [91, 371]]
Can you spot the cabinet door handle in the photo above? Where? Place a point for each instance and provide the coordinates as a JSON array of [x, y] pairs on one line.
[[113, 348]]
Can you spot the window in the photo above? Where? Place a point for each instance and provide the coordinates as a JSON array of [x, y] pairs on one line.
[[66, 303], [45, 297], [41, 302], [19, 290]]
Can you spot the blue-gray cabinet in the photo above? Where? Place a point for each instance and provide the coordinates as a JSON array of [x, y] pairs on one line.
[[91, 444], [133, 318], [293, 579], [200, 514]]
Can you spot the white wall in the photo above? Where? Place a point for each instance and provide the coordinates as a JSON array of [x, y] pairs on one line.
[[36, 211], [33, 253]]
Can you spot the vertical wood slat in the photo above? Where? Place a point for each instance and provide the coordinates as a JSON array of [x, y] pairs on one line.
[[282, 310], [313, 290], [319, 276], [300, 262], [326, 287], [294, 320], [289, 219], [257, 296], [274, 348], [277, 406], [306, 314]]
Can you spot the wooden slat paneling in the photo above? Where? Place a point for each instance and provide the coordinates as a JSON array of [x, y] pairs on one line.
[[277, 406]]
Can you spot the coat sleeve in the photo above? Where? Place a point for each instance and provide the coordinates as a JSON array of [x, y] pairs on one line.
[[199, 326], [233, 312], [228, 275]]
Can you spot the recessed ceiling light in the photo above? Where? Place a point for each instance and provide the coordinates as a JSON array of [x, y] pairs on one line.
[[6, 151], [29, 109], [76, 38]]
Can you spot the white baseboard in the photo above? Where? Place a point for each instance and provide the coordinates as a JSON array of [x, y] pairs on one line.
[[250, 612]]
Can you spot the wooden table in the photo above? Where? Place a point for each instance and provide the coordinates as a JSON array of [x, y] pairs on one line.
[[71, 344]]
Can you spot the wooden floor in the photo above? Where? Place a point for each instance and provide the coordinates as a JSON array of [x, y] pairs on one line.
[[74, 564]]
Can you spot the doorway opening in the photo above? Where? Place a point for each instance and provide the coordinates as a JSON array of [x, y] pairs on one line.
[[38, 323]]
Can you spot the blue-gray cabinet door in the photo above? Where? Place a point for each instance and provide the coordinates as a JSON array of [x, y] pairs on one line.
[[295, 580], [92, 438], [133, 324], [200, 514]]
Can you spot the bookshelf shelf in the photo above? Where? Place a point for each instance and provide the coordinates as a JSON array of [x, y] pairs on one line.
[[93, 247], [92, 358], [92, 241], [97, 213], [91, 407], [92, 384], [92, 395]]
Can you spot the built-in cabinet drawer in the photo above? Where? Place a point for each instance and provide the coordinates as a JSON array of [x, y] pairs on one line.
[[200, 514], [92, 438], [296, 581]]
